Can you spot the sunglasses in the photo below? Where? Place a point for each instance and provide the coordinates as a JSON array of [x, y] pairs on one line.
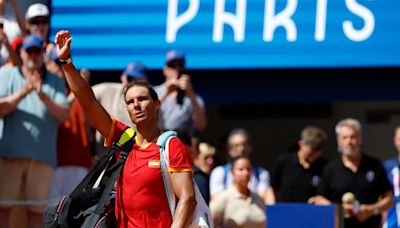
[[33, 50], [177, 64], [39, 21]]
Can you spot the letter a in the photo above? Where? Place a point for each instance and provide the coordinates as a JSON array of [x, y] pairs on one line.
[[236, 22]]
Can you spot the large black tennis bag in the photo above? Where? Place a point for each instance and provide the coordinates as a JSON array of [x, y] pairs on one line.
[[92, 203]]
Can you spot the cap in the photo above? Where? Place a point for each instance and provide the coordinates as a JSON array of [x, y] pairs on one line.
[[32, 41], [17, 43], [175, 55], [136, 70], [37, 10]]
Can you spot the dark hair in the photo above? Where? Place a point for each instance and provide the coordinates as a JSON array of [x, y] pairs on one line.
[[234, 160], [314, 137], [140, 83], [184, 137]]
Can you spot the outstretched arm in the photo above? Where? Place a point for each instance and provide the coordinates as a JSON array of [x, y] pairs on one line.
[[97, 114]]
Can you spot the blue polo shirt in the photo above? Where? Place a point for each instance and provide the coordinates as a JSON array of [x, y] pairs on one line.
[[30, 131]]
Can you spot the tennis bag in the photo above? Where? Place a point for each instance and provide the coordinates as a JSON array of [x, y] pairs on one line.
[[201, 217], [92, 203]]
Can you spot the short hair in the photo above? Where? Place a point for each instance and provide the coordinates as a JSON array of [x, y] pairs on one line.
[[206, 148], [349, 122], [140, 83], [239, 131], [314, 137]]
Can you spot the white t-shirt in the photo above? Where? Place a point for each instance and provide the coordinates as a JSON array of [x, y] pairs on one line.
[[221, 178]]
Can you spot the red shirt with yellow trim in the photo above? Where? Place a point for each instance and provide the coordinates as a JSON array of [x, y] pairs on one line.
[[141, 199]]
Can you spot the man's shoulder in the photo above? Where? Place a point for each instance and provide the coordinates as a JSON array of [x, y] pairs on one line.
[[7, 71], [106, 88], [390, 163], [371, 159], [218, 171], [107, 85], [159, 88]]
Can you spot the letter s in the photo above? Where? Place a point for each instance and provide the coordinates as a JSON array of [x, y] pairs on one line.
[[366, 15]]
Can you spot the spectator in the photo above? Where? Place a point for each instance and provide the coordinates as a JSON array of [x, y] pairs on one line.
[[37, 21], [181, 107], [238, 144], [51, 61], [295, 176], [355, 180], [203, 163], [140, 197], [13, 58], [109, 94], [32, 104], [393, 173], [237, 206], [13, 24], [74, 155], [205, 158]]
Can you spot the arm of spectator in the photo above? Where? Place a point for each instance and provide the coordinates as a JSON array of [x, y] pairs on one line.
[[182, 182], [99, 117], [367, 210], [269, 197], [9, 104], [170, 86], [13, 56], [318, 199], [19, 16], [198, 113]]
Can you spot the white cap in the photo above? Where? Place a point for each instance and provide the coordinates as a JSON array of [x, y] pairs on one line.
[[37, 10]]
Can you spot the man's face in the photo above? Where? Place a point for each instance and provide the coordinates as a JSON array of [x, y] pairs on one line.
[[238, 145], [32, 58], [308, 153], [140, 105], [39, 26], [174, 68], [396, 140], [349, 141]]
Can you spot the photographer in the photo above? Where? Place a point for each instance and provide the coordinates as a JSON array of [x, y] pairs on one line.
[[181, 108]]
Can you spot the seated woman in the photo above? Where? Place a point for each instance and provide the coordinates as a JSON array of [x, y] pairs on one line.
[[237, 206]]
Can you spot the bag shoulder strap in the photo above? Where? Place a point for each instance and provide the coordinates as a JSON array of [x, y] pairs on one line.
[[164, 137], [114, 172], [95, 172], [163, 143], [201, 216]]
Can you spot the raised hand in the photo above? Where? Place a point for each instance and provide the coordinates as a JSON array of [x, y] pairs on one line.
[[63, 41]]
